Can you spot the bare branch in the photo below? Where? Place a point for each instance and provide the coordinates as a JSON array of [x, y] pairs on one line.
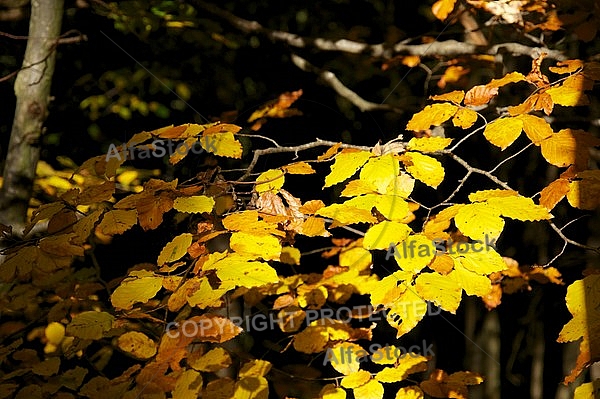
[[332, 81], [295, 149], [450, 48]]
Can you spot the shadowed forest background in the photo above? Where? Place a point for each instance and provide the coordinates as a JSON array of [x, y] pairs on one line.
[[345, 71]]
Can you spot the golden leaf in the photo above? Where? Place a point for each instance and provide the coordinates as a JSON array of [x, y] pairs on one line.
[[506, 79], [554, 192], [253, 245], [196, 204], [479, 221], [346, 164], [434, 114], [442, 8], [134, 289], [407, 310], [502, 132], [380, 171], [299, 168], [571, 92], [220, 141], [271, 180], [214, 360], [464, 118], [483, 262], [188, 385], [455, 97], [137, 345], [356, 379], [569, 147], [237, 270], [371, 390], [471, 282], [428, 144], [441, 290], [415, 253], [410, 392], [384, 234], [175, 249], [424, 168]]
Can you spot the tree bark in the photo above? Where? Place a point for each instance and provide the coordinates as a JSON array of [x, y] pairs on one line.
[[32, 90]]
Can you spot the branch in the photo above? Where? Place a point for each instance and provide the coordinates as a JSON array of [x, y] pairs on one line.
[[295, 149], [450, 48], [332, 81]]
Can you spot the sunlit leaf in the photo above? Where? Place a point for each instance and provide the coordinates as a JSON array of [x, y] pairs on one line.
[[434, 114]]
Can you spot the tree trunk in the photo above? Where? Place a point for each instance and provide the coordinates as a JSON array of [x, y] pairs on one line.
[[32, 89]]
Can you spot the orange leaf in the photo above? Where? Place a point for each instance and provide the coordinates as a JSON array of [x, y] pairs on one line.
[[480, 95], [553, 193], [434, 114], [442, 8]]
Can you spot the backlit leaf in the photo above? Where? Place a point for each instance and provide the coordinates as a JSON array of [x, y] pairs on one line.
[[569, 147], [472, 283], [483, 262], [479, 221], [117, 221], [554, 192], [455, 97], [585, 193], [188, 385], [371, 390], [137, 345], [379, 172], [134, 289], [428, 144], [384, 234], [441, 290], [214, 360], [424, 168], [506, 79], [536, 128], [464, 118], [442, 8], [502, 132], [414, 253], [346, 164], [253, 245], [271, 180], [434, 114], [571, 92], [356, 379], [411, 392], [196, 204], [219, 140], [175, 249], [299, 168]]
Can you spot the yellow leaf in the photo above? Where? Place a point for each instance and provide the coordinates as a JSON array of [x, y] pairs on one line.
[[344, 357], [247, 221], [188, 385], [464, 118], [299, 168], [330, 391], [371, 390], [583, 302], [428, 144], [585, 193], [442, 8], [407, 310], [508, 78], [331, 151], [357, 187], [313, 227], [253, 245], [455, 97], [389, 289], [356, 379], [175, 249], [90, 325], [569, 147], [472, 283], [408, 364], [380, 172], [415, 253], [134, 289], [219, 140], [196, 204], [214, 360], [237, 271], [402, 186], [441, 290], [434, 114], [54, 333], [205, 295], [271, 180], [424, 168], [536, 128], [346, 164], [392, 207], [480, 95], [588, 390], [384, 234], [484, 195], [484, 262], [411, 392], [571, 92], [137, 345], [502, 132], [520, 208], [117, 221], [479, 221], [312, 339], [344, 214]]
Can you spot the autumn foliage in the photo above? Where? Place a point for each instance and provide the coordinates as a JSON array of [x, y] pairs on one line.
[[63, 326]]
